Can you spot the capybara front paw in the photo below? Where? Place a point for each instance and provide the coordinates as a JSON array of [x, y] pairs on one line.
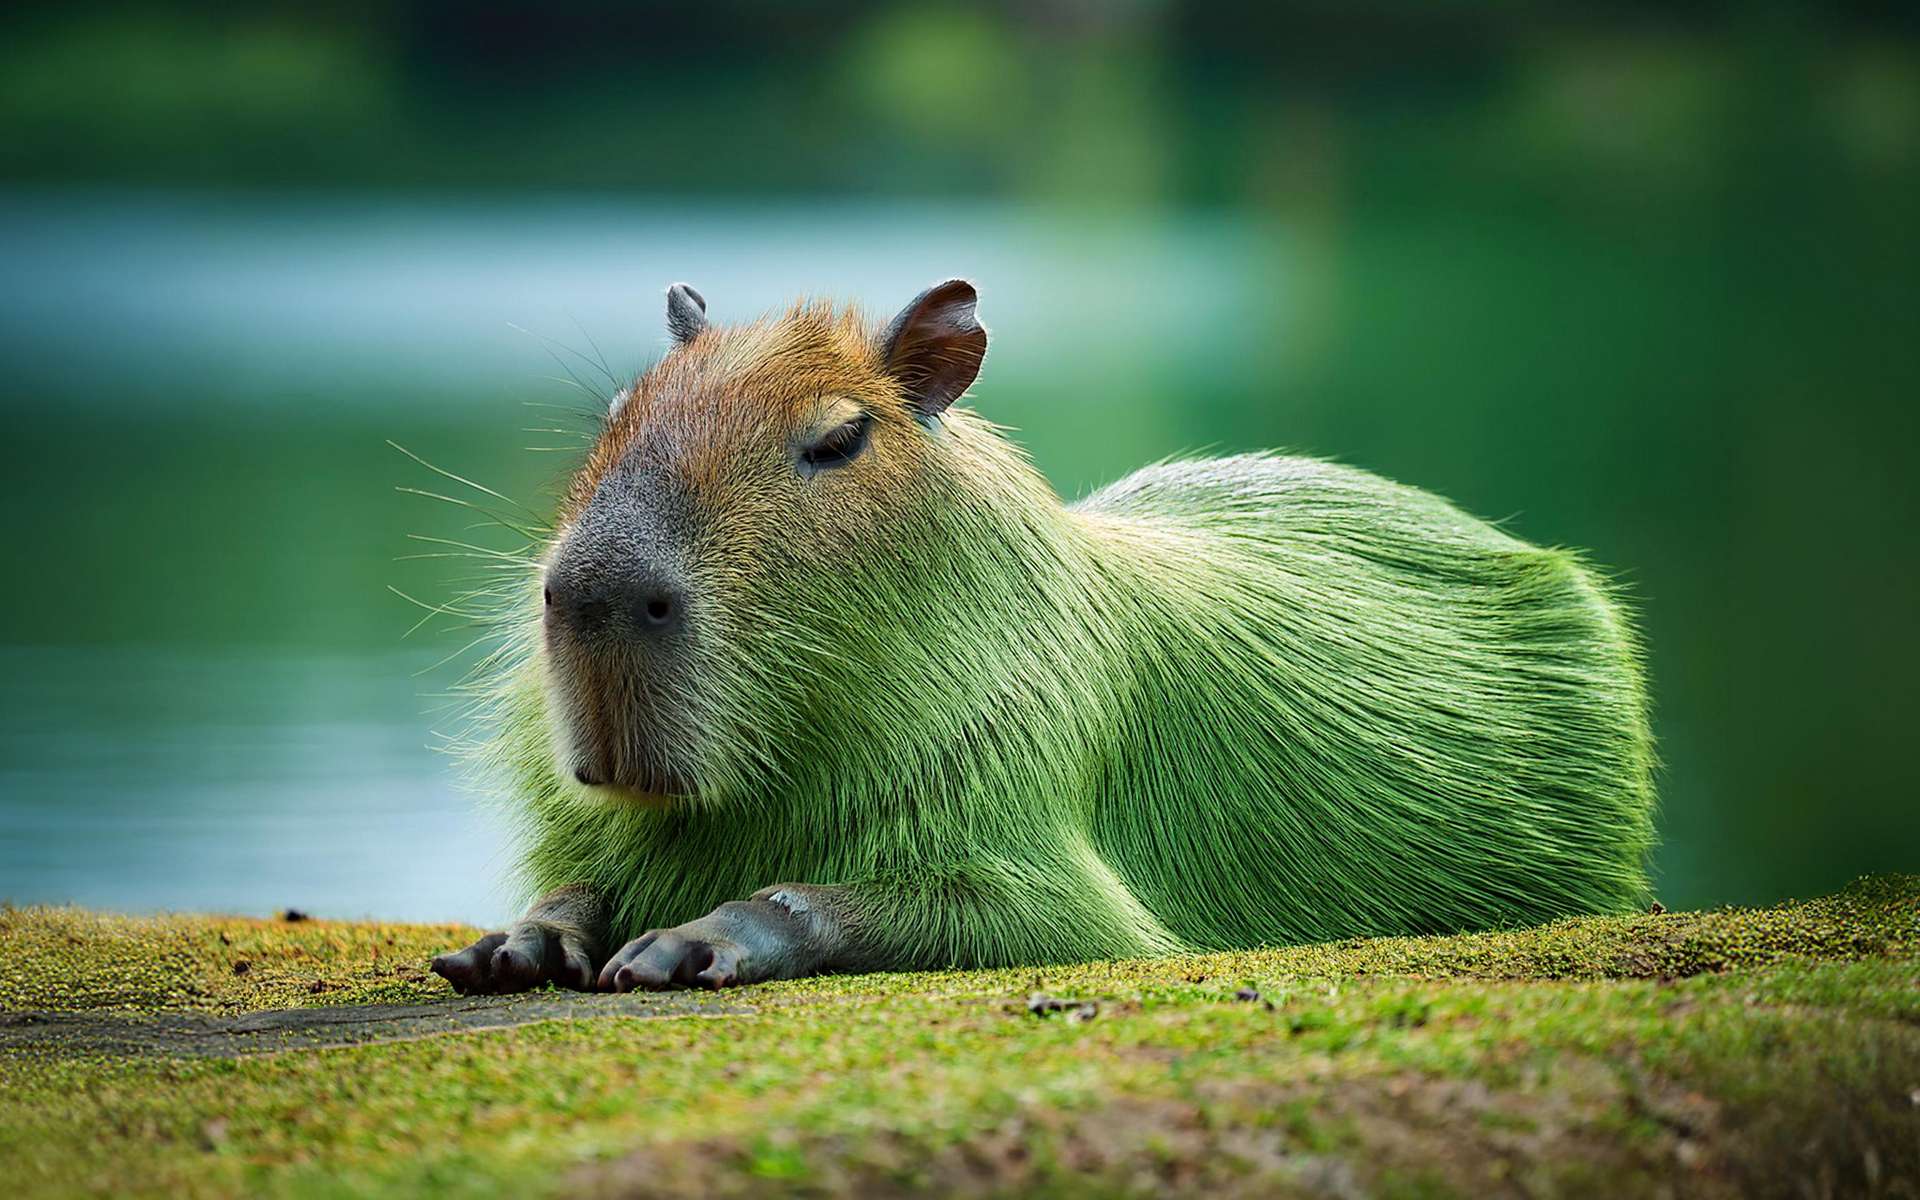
[[742, 941], [469, 970], [518, 960], [674, 958]]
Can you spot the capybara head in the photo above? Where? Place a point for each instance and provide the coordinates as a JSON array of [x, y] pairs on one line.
[[736, 557]]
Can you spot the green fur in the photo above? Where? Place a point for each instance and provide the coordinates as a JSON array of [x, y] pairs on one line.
[[1217, 704]]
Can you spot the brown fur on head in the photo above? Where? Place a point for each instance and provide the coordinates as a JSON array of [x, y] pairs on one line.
[[739, 401], [746, 450]]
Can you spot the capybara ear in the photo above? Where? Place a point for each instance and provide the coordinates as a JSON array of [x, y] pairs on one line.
[[934, 347], [686, 313]]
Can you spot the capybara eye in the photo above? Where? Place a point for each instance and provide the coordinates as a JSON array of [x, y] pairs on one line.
[[839, 447]]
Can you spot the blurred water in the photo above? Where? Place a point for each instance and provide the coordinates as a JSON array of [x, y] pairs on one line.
[[254, 301], [206, 701], [144, 778]]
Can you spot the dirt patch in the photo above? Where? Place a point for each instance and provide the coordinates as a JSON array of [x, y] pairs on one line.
[[195, 1035], [1574, 1124], [1345, 1138]]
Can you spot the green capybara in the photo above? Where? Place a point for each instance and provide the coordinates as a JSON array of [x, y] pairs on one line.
[[818, 674]]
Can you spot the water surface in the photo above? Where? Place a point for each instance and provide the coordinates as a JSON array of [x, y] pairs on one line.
[[209, 699]]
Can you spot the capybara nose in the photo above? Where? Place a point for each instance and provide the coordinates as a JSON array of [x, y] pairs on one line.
[[641, 604], [657, 608]]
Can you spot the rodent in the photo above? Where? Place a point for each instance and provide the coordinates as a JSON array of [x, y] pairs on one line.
[[819, 674]]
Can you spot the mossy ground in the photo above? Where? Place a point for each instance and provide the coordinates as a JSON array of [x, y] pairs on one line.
[[1728, 1053]]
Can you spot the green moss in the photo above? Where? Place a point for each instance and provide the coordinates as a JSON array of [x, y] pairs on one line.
[[1726, 1053], [1878, 915], [66, 959]]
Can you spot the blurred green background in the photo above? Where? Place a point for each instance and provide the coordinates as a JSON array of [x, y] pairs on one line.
[[1635, 281]]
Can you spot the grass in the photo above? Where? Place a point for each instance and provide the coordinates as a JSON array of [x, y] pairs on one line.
[[1736, 1052]]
